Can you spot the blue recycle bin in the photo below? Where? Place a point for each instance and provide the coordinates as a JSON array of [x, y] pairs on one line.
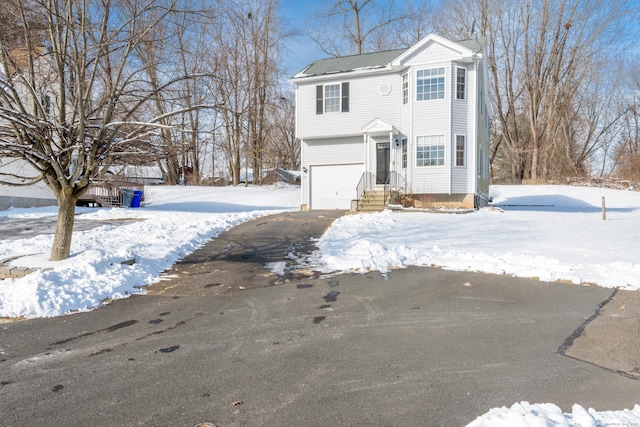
[[137, 198]]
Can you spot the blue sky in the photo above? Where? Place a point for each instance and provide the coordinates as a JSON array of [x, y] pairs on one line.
[[300, 51]]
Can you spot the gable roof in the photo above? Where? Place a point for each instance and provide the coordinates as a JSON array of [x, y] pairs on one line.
[[378, 125], [465, 48], [371, 61], [343, 64]]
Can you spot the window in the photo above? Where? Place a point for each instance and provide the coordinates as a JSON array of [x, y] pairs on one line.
[[461, 80], [430, 150], [404, 153], [460, 150], [332, 98], [405, 89], [430, 84]]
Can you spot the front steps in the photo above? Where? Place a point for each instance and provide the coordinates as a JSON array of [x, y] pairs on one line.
[[374, 200]]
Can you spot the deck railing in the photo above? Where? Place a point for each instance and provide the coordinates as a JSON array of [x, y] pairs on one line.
[[110, 192]]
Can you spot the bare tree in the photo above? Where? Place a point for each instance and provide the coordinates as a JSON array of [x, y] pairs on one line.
[[282, 146], [344, 27], [626, 149], [549, 61], [77, 102], [231, 88], [247, 39], [13, 33], [262, 55]]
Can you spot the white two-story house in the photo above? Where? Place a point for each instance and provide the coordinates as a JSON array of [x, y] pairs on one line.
[[414, 121]]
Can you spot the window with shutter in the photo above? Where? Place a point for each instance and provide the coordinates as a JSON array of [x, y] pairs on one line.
[[345, 97], [319, 99], [332, 98]]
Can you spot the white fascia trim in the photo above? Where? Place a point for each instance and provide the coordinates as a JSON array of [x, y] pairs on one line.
[[462, 51], [347, 74]]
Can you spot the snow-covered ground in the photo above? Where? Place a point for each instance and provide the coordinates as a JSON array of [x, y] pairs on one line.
[[176, 221], [553, 233], [548, 232]]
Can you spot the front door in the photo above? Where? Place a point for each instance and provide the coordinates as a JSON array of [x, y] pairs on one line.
[[382, 162]]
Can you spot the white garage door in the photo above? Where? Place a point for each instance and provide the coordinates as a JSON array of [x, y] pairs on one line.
[[334, 186]]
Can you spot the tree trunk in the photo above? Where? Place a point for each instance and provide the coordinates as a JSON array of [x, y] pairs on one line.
[[173, 167], [61, 248], [535, 154]]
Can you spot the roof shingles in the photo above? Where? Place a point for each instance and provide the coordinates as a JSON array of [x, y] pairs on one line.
[[345, 64]]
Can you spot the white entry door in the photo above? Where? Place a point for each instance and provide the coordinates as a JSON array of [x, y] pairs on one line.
[[334, 186]]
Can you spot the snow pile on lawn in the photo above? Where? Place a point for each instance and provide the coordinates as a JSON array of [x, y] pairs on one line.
[[553, 233], [176, 222], [547, 414]]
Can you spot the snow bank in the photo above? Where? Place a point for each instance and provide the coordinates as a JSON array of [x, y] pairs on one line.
[[549, 415]]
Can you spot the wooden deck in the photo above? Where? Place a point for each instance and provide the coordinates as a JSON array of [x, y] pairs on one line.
[[109, 193]]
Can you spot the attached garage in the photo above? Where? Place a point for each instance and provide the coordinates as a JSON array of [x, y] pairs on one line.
[[334, 186]]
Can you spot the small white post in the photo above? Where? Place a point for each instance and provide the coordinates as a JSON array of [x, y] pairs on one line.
[[604, 210]]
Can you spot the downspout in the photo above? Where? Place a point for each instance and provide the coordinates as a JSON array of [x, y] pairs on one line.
[[450, 144], [475, 131], [365, 140], [410, 137], [392, 149]]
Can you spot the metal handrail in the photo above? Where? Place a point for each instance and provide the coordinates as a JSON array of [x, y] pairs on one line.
[[386, 186], [397, 181], [365, 184], [394, 182]]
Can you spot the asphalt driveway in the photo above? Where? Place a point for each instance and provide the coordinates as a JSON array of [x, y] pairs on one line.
[[419, 346]]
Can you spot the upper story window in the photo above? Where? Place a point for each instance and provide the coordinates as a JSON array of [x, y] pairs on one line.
[[430, 84], [461, 83], [332, 98], [430, 150], [405, 88]]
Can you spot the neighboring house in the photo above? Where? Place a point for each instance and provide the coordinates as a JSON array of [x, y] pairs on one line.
[[414, 122], [23, 196], [18, 171], [12, 168], [150, 175], [275, 175]]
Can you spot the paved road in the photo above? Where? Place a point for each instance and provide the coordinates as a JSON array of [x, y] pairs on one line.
[[23, 228], [420, 346]]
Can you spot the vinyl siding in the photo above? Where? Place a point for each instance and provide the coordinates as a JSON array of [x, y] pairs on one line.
[[459, 107], [472, 136], [365, 104], [430, 117], [460, 126], [434, 52], [459, 180], [325, 151]]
